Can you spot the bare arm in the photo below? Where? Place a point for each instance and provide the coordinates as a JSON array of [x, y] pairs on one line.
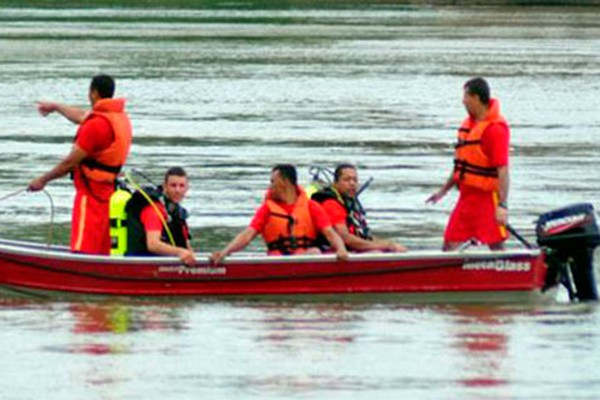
[[504, 183], [437, 196], [336, 242], [157, 246], [238, 243], [72, 113], [74, 158], [359, 244]]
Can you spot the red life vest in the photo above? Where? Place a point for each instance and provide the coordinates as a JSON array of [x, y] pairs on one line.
[[105, 165], [284, 233], [471, 165]]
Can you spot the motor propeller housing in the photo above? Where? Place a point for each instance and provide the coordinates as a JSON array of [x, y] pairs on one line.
[[570, 235]]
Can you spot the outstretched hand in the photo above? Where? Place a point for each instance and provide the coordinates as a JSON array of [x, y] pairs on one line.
[[46, 107], [437, 196]]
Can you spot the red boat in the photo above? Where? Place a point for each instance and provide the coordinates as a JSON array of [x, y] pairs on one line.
[[469, 275]]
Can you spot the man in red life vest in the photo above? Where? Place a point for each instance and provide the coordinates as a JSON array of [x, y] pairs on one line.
[[288, 221], [347, 215], [99, 151], [480, 172]]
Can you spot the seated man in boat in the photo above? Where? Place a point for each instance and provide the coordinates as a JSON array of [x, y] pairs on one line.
[[159, 227], [347, 215], [288, 221]]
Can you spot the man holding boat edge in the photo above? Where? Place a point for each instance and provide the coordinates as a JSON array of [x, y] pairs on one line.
[[288, 221], [480, 172], [99, 151], [156, 221], [347, 215]]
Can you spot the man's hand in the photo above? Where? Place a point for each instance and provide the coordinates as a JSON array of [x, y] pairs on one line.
[[187, 257], [216, 257], [502, 215], [46, 107], [342, 254], [437, 196], [36, 185], [396, 248]]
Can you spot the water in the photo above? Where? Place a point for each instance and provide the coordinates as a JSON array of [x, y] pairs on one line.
[[228, 91]]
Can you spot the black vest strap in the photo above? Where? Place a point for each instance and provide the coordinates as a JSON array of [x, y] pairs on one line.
[[286, 245], [464, 167], [94, 164], [463, 143]]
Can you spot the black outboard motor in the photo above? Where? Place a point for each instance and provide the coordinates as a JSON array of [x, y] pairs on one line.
[[570, 236]]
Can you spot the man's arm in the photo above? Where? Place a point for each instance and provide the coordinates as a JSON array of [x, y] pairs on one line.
[[437, 196], [238, 243], [73, 114], [336, 242], [157, 246], [73, 159], [361, 245], [504, 183]]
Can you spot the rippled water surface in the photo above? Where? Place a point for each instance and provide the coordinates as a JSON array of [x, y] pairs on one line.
[[227, 92]]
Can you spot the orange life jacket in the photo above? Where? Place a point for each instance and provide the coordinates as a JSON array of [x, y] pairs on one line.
[[471, 166], [105, 165], [285, 233]]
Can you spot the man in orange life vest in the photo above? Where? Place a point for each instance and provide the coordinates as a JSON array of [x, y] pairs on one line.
[[480, 172], [99, 151], [288, 221], [347, 215]]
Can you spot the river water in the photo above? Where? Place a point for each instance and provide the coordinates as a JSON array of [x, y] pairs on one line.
[[230, 90]]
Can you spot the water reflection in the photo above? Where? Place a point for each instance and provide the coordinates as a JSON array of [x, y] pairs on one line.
[[482, 338], [313, 325], [99, 322]]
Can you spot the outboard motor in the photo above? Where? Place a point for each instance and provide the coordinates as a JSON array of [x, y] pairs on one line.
[[569, 236]]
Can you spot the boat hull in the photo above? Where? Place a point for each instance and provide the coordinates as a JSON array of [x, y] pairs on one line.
[[472, 276]]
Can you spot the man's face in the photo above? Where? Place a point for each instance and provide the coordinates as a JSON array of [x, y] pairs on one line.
[[471, 102], [176, 188], [347, 184], [278, 185], [93, 96]]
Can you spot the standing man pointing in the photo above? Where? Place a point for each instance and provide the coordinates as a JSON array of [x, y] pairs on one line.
[[480, 172], [99, 151]]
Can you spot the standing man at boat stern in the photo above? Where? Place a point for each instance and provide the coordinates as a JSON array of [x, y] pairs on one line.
[[480, 172], [99, 151]]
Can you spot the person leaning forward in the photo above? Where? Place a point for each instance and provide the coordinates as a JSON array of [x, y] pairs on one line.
[[347, 215], [480, 172], [160, 227], [288, 221], [99, 151]]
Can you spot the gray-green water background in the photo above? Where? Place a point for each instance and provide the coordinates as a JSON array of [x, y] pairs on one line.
[[228, 89]]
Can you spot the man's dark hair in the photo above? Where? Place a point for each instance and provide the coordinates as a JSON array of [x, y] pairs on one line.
[[287, 171], [175, 171], [478, 86], [104, 85], [337, 174]]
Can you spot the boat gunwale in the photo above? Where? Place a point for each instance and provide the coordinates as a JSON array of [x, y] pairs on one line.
[[22, 248]]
